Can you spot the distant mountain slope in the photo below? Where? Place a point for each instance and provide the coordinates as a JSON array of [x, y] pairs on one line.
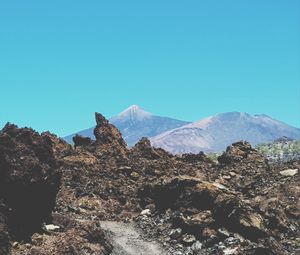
[[215, 133], [135, 123]]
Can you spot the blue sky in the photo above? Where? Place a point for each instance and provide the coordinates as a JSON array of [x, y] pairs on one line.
[[60, 61]]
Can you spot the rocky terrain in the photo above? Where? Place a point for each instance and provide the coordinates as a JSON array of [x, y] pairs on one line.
[[100, 197]]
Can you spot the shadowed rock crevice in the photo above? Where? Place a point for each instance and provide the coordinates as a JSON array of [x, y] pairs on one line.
[[29, 180]]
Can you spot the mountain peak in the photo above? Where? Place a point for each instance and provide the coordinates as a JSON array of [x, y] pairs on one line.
[[133, 107], [134, 112]]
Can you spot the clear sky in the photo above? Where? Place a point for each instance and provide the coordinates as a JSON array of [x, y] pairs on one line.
[[60, 61]]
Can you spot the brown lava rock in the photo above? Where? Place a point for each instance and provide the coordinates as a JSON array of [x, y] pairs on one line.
[[29, 178], [74, 237], [107, 133], [242, 200]]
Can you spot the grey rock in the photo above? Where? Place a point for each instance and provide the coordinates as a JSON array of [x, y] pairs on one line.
[[175, 233], [289, 172]]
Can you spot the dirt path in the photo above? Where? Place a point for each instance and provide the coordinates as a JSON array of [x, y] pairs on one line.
[[127, 241]]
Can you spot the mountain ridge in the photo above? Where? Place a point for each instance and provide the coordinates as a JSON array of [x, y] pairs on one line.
[[134, 123], [215, 133], [210, 134]]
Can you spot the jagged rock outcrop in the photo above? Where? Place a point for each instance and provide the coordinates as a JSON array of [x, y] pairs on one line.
[[60, 148], [29, 178], [104, 172], [239, 205], [240, 151], [109, 145], [244, 169], [31, 165], [106, 133]]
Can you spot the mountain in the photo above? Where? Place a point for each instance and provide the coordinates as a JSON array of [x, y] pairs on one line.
[[135, 123], [215, 133]]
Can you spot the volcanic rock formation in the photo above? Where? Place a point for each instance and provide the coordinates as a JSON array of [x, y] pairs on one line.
[[53, 193], [31, 166], [29, 178]]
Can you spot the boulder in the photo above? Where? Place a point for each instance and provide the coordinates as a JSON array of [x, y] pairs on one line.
[[289, 172]]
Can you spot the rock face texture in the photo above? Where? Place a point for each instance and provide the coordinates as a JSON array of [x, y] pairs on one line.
[[201, 202], [4, 235], [244, 169], [105, 175], [240, 151], [73, 237], [241, 209], [79, 140], [53, 196], [29, 178], [106, 133], [214, 207], [109, 144]]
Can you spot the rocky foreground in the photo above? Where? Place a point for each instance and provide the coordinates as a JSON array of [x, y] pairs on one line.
[[53, 197]]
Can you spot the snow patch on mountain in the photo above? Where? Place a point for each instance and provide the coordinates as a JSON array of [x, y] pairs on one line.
[[132, 113]]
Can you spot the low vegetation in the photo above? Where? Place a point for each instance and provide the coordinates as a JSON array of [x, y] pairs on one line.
[[282, 150]]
